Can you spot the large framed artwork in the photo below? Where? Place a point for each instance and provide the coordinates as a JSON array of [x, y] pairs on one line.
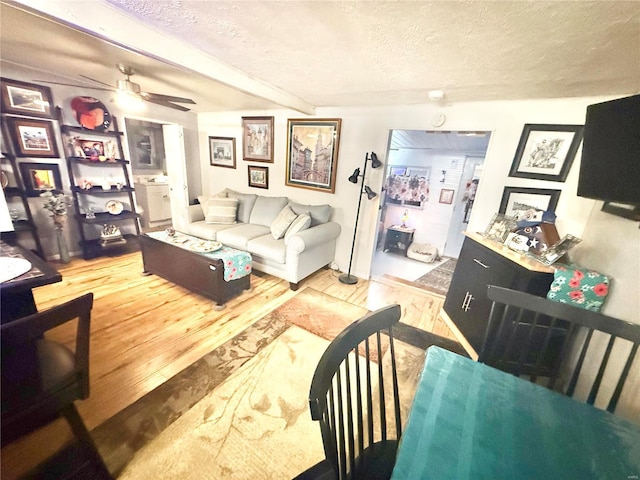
[[22, 98], [546, 152], [257, 139], [517, 200], [33, 138], [312, 153], [222, 152], [38, 177]]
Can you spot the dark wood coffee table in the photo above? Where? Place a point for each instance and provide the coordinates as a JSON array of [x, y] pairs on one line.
[[202, 273]]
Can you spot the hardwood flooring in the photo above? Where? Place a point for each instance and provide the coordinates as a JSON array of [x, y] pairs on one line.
[[145, 330]]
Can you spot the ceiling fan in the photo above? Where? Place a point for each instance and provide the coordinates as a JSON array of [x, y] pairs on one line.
[[127, 87]]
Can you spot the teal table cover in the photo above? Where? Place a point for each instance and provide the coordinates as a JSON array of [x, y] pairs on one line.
[[471, 421], [237, 263]]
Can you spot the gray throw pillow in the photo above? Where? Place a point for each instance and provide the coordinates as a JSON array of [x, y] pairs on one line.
[[319, 213]]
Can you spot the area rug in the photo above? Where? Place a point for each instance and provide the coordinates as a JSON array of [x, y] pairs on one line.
[[241, 411], [438, 279]]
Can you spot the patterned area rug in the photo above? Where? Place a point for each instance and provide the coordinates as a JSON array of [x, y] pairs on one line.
[[241, 411], [438, 279]]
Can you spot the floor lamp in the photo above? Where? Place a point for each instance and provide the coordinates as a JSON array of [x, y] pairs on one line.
[[364, 189]]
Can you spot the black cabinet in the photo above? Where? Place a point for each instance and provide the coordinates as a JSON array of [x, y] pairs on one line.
[[398, 238], [467, 305], [102, 193]]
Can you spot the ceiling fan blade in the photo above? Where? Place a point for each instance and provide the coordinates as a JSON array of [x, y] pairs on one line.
[[166, 104], [166, 98], [97, 81], [75, 85]]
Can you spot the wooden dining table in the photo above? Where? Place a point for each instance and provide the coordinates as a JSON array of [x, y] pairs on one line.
[[16, 294], [471, 421]]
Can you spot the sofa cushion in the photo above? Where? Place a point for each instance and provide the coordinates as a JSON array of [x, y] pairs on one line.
[[207, 231], [266, 209], [302, 222], [239, 236], [245, 204], [219, 209], [319, 213], [282, 222], [266, 247]]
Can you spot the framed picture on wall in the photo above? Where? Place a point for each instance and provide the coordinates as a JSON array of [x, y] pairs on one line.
[[22, 98], [517, 200], [446, 195], [222, 152], [257, 139], [38, 177], [312, 153], [32, 138], [546, 152], [258, 176]]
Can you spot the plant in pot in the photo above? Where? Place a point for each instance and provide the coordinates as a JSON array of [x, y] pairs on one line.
[[57, 203]]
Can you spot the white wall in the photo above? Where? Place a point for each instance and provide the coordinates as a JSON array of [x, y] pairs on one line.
[[62, 96]]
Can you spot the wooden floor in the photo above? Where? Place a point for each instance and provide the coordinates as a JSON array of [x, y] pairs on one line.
[[145, 330]]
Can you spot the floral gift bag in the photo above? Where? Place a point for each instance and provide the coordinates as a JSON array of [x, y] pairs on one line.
[[579, 287]]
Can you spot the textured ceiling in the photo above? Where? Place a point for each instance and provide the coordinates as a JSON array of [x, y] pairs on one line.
[[390, 52], [345, 53]]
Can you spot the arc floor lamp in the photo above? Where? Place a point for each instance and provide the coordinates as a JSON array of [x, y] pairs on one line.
[[364, 189]]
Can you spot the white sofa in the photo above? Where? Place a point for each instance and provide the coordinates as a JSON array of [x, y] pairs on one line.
[[294, 256]]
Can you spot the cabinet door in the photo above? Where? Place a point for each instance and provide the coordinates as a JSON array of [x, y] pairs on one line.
[[159, 203], [467, 303]]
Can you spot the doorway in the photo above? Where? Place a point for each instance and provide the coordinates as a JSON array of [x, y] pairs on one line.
[[451, 163]]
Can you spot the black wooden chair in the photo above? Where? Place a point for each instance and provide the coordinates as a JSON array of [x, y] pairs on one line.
[[41, 378], [560, 346], [354, 396]]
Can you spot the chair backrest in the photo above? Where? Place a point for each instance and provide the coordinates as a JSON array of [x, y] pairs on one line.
[[349, 393], [558, 345], [40, 376]]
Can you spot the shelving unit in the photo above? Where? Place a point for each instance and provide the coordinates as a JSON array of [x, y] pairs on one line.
[[97, 196], [17, 192]]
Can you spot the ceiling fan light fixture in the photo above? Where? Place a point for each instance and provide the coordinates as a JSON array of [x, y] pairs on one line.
[[129, 101]]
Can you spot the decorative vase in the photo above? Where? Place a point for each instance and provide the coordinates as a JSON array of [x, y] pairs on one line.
[[62, 245]]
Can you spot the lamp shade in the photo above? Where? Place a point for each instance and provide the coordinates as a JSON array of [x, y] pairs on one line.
[[375, 163], [370, 193], [354, 176]]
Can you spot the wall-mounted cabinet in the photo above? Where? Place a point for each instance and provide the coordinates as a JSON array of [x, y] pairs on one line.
[[102, 191]]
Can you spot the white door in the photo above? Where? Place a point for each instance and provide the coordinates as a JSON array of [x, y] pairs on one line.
[[462, 206], [177, 173]]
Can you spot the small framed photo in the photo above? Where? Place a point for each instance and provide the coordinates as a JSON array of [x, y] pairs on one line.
[[257, 139], [499, 227], [446, 195], [33, 138], [546, 152], [38, 177], [222, 152], [312, 153], [22, 98], [558, 249], [258, 176], [518, 200]]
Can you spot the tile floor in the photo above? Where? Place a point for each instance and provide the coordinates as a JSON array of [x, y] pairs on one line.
[[398, 266]]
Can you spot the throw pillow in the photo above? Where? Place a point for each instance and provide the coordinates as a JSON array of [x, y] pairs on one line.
[[219, 209], [266, 209], [245, 204], [299, 224], [318, 213], [282, 222]]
